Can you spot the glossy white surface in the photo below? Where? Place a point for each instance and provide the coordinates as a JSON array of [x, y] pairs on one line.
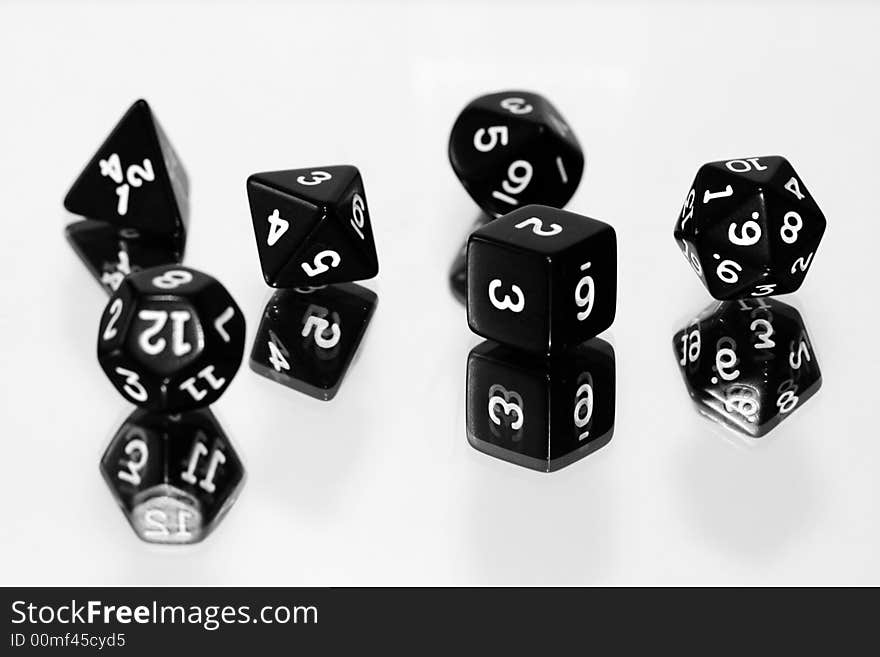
[[380, 485]]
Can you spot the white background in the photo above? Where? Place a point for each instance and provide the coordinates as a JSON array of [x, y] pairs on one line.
[[380, 485]]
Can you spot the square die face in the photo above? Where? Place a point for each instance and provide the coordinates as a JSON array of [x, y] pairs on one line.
[[582, 398], [542, 229], [508, 294], [584, 289], [506, 406]]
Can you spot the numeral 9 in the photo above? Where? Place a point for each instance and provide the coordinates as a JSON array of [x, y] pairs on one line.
[[585, 294], [749, 234]]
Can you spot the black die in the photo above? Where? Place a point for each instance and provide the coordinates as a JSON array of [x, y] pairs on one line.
[[110, 253], [135, 179], [542, 279], [175, 476], [749, 227], [312, 226], [540, 413], [748, 363], [307, 338], [171, 339], [458, 269], [513, 148]]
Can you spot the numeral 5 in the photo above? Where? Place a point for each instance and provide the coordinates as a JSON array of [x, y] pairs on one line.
[[497, 134], [319, 266]]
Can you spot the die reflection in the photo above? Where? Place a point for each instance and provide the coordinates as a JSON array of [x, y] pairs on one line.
[[111, 252], [175, 476], [458, 270], [309, 336], [748, 364], [540, 413]]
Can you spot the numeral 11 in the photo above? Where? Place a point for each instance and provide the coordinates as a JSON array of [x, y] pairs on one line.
[[217, 459]]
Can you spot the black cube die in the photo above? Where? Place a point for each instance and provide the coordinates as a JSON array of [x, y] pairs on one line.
[[540, 413], [542, 279]]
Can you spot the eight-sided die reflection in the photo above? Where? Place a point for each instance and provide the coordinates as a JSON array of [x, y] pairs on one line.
[[309, 336]]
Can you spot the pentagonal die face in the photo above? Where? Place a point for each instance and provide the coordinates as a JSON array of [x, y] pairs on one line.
[[171, 339], [748, 363], [749, 227], [540, 413], [513, 148], [175, 477], [542, 279]]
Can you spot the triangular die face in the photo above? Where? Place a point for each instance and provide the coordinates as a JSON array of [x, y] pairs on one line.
[[757, 170], [718, 195], [126, 182], [352, 214], [321, 185], [281, 225], [727, 277], [740, 234], [176, 173], [788, 186], [795, 232], [328, 255]]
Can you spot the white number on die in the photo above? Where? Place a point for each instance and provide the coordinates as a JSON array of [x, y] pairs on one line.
[[791, 226], [315, 178], [133, 386], [319, 266], [511, 403], [583, 408], [538, 227], [497, 134], [171, 279], [277, 353], [138, 454], [320, 326], [115, 311], [749, 234], [218, 458], [585, 294], [179, 318], [690, 347], [357, 215], [507, 303], [277, 227], [725, 359], [519, 175], [516, 105]]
